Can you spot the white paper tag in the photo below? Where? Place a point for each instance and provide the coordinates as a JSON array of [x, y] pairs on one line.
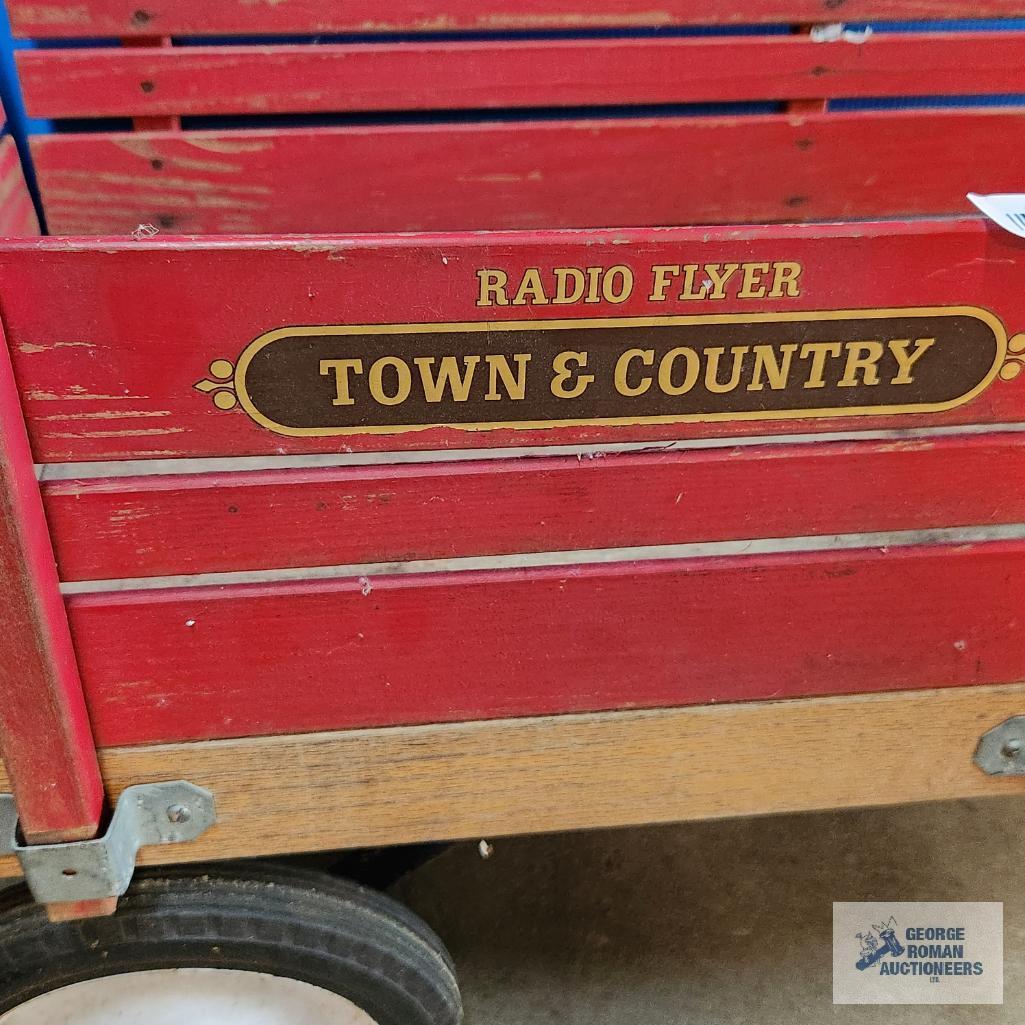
[[1006, 209], [918, 953]]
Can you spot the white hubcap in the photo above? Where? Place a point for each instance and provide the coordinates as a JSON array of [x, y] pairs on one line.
[[196, 996]]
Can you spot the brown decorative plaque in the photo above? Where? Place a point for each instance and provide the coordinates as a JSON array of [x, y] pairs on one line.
[[322, 381]]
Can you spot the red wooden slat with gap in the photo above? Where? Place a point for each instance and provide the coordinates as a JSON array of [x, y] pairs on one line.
[[147, 122], [45, 738], [242, 17], [574, 173], [108, 373], [286, 658], [489, 73], [224, 522], [815, 104]]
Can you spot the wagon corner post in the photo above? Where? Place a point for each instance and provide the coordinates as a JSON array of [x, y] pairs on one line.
[[46, 740]]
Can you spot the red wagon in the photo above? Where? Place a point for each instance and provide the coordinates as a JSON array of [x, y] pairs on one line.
[[497, 506]]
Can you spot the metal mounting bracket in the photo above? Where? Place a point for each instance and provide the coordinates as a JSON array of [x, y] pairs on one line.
[[1001, 750], [147, 814]]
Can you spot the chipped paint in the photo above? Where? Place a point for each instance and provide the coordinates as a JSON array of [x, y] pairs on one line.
[[224, 145], [107, 415], [30, 348], [502, 179], [582, 19], [54, 15], [132, 514], [142, 433], [182, 184]]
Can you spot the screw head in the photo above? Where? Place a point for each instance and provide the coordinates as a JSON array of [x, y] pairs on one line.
[[178, 814], [1012, 749]]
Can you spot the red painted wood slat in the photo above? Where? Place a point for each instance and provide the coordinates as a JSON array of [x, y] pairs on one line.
[[489, 73], [578, 173], [148, 122], [229, 522], [45, 738], [17, 214], [18, 219], [286, 658], [219, 17], [109, 373]]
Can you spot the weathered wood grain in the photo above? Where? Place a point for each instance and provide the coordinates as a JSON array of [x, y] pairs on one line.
[[470, 780], [499, 74]]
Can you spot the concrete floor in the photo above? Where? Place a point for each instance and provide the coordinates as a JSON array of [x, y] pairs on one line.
[[712, 923]]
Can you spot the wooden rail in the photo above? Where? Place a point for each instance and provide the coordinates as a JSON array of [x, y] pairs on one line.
[[283, 795]]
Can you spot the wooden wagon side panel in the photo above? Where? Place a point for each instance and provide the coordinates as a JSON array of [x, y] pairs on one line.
[[460, 670], [126, 370], [147, 364]]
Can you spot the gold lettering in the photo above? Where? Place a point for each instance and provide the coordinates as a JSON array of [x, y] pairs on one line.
[[690, 270], [719, 274], [623, 386], [403, 380], [752, 287], [712, 368], [899, 347], [563, 275], [515, 385], [340, 368], [447, 377], [861, 356], [818, 351], [563, 374], [593, 284], [776, 370], [690, 377], [664, 274], [785, 280], [492, 288], [531, 286], [611, 294]]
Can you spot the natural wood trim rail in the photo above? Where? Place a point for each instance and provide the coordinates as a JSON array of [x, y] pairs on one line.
[[367, 787]]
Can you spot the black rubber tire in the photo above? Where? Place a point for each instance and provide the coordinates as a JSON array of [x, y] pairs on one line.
[[262, 918]]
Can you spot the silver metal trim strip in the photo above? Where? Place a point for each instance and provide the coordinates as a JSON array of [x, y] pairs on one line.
[[366, 572], [156, 467]]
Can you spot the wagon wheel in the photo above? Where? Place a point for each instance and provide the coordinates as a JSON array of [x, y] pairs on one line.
[[250, 945]]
